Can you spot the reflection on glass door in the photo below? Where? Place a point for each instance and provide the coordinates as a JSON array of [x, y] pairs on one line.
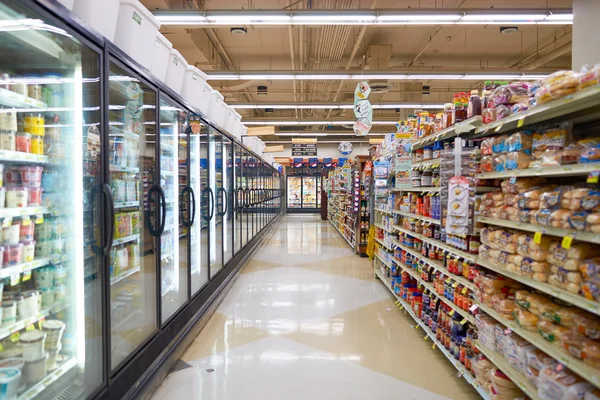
[[215, 186], [51, 198], [309, 192], [319, 183], [227, 200], [239, 195], [173, 258], [132, 162], [199, 185], [246, 224], [294, 192]]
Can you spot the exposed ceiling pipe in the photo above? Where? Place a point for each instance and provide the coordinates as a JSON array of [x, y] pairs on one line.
[[357, 44], [293, 61], [535, 53], [240, 87], [436, 30], [538, 62]]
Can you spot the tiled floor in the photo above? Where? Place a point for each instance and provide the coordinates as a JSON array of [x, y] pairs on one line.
[[307, 320]]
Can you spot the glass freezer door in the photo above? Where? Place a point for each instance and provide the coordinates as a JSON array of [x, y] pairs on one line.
[[294, 192], [137, 223], [173, 257], [201, 198], [246, 223], [50, 154], [239, 198], [226, 200], [215, 190], [309, 192]]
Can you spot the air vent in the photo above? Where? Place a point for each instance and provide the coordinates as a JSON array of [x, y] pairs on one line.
[[380, 86], [238, 31], [261, 90]]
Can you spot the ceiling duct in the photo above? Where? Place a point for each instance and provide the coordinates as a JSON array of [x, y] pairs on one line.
[[378, 59]]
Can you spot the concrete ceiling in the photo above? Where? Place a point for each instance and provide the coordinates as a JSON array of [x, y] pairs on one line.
[[414, 48]]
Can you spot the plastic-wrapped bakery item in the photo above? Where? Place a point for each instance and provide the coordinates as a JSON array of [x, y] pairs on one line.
[[590, 269], [532, 375], [557, 85], [530, 200], [487, 146], [593, 395], [587, 324], [499, 144], [591, 353], [592, 222], [555, 157], [503, 388], [502, 95], [502, 337], [577, 220], [499, 162], [482, 367], [524, 216], [534, 251], [572, 257], [549, 311], [516, 351], [560, 281], [519, 107], [504, 305], [493, 199], [517, 160], [562, 385], [507, 240], [514, 92], [553, 137], [538, 270], [519, 141], [590, 290], [502, 111], [590, 150], [551, 332], [511, 199], [591, 202], [573, 196], [566, 317], [521, 185], [525, 319], [589, 76], [573, 343], [552, 199], [485, 330], [538, 359], [559, 218], [487, 163]]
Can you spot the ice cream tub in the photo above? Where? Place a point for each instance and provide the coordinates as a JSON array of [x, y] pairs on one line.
[[27, 230], [13, 254], [52, 357], [32, 343], [16, 197], [54, 329], [34, 196], [28, 250], [13, 362], [31, 176], [35, 370], [11, 234], [10, 382]]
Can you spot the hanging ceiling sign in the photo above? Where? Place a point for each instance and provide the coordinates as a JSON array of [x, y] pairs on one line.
[[304, 149], [363, 110]]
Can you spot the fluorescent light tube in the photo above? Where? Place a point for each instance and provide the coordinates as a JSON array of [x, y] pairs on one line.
[[433, 18], [503, 17], [298, 134], [332, 106], [359, 76]]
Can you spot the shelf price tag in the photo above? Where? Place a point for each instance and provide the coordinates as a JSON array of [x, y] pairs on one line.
[[464, 321], [14, 337], [7, 222], [14, 278], [473, 308], [26, 275], [425, 337], [451, 313], [498, 128], [448, 281], [41, 321], [537, 238], [433, 346], [465, 290], [25, 221], [520, 122], [593, 177], [39, 219], [30, 327], [566, 242], [455, 284], [417, 326]]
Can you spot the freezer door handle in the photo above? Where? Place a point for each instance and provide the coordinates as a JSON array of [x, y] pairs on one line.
[[212, 203], [239, 196], [246, 198], [107, 192], [163, 206], [151, 229], [192, 206], [224, 201]]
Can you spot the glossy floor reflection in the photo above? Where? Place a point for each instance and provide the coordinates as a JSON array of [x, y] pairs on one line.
[[307, 320]]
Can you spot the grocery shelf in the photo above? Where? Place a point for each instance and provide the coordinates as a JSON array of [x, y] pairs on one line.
[[461, 368], [430, 287], [125, 204], [579, 367], [28, 266], [381, 210], [434, 163], [52, 377], [8, 98], [563, 170], [125, 239], [383, 155], [417, 216], [383, 244], [114, 168], [387, 264], [22, 324], [580, 107], [340, 232], [546, 230], [418, 189], [18, 156], [514, 375], [22, 211], [448, 133], [439, 243], [384, 228], [124, 275], [438, 266], [572, 298]]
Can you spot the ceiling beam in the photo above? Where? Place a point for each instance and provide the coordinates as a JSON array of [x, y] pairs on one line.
[[380, 17]]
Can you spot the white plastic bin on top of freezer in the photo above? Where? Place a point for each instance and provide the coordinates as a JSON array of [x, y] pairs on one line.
[[195, 89], [100, 15], [217, 108], [176, 67], [136, 31], [229, 119], [67, 3], [237, 126], [160, 59]]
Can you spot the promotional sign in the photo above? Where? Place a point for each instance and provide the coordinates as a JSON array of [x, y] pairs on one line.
[[342, 161], [313, 162], [298, 162], [345, 148], [304, 149], [363, 110], [403, 160], [327, 162]]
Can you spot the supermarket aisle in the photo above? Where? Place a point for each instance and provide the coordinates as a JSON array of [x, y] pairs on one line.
[[307, 320]]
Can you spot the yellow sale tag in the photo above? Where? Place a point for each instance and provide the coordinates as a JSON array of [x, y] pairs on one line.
[[451, 313], [537, 238], [566, 242], [6, 222], [455, 285], [417, 326], [520, 122], [426, 337], [30, 327], [41, 321], [14, 337], [593, 177], [498, 128], [465, 290], [25, 221], [39, 219], [397, 302], [448, 280], [433, 346], [464, 321], [26, 275], [401, 308], [1, 347]]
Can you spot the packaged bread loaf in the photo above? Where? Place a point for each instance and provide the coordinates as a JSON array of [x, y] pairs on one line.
[[573, 196], [551, 332], [503, 388], [499, 144], [525, 319], [549, 311], [591, 353], [516, 352], [590, 269], [587, 324], [571, 258], [530, 200], [552, 198], [582, 348], [590, 290], [529, 249], [486, 164], [487, 146], [538, 359], [577, 221], [557, 85], [589, 77], [590, 150], [517, 160], [520, 185], [591, 202], [499, 162], [592, 222], [560, 281], [519, 141], [562, 385]]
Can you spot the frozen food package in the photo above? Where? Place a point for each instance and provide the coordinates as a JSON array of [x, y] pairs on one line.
[[519, 141]]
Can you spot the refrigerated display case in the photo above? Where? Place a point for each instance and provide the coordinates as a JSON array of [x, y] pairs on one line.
[[303, 193], [294, 192], [50, 200], [120, 222]]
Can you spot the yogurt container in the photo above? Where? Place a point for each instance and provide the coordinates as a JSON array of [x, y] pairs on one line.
[[35, 370], [44, 278], [60, 293], [43, 248], [54, 329], [58, 246], [47, 296], [9, 312], [2, 197], [13, 362], [8, 140], [60, 275], [23, 142], [27, 231], [34, 195], [11, 234], [29, 305], [31, 176], [28, 250], [16, 197], [10, 382], [13, 254], [32, 343], [52, 357]]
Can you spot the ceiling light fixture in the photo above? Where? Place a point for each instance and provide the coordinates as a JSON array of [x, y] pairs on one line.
[[308, 122], [389, 106], [233, 76], [363, 17]]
